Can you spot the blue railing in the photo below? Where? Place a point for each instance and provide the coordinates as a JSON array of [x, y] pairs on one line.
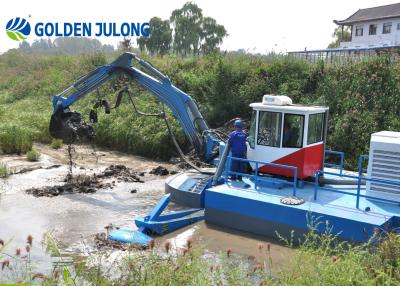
[[358, 194], [255, 176], [361, 160], [341, 159]]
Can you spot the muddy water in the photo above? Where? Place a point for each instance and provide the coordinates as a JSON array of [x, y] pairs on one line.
[[73, 218]]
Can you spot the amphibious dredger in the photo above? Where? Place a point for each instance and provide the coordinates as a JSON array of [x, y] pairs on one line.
[[290, 185]]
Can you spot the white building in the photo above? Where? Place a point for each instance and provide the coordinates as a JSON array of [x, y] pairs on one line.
[[373, 27]]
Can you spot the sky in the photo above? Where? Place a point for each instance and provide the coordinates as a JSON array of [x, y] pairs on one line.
[[258, 26]]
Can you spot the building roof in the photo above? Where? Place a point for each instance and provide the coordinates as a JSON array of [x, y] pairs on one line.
[[374, 13]]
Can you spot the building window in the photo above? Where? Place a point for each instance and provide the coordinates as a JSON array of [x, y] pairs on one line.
[[387, 27], [372, 29], [359, 31], [398, 26], [315, 128], [269, 128], [293, 128]]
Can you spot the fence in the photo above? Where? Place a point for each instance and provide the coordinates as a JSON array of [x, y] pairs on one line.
[[342, 55]]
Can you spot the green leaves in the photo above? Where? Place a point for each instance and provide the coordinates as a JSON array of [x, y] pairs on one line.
[[160, 39], [191, 33]]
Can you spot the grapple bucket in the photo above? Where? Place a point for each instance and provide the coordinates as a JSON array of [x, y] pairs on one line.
[[70, 127]]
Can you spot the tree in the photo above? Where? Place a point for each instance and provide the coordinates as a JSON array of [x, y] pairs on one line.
[[125, 45], [187, 23], [212, 35], [42, 46], [66, 45], [160, 38], [24, 45], [340, 37]]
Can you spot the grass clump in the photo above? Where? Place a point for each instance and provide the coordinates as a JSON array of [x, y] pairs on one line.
[[56, 143], [33, 155], [322, 259], [5, 171], [15, 139]]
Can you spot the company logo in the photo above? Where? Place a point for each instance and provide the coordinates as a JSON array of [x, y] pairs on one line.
[[18, 29]]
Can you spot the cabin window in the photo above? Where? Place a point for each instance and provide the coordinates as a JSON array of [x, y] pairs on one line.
[[269, 128], [252, 133], [387, 27], [315, 128], [359, 31], [398, 26], [293, 127], [372, 29]]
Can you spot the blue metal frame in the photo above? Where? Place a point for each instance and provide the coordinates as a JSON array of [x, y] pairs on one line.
[[256, 178], [346, 49], [160, 224], [358, 195], [361, 160], [338, 153], [156, 223]]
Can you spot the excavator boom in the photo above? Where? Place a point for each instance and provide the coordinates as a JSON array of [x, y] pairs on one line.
[[66, 125]]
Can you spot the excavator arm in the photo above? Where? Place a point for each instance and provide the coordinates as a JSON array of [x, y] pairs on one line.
[[181, 104]]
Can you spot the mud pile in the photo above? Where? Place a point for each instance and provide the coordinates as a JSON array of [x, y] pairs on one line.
[[102, 242], [88, 183], [160, 171], [78, 184], [193, 158], [121, 173]]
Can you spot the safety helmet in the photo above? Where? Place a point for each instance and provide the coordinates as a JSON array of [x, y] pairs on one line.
[[238, 123]]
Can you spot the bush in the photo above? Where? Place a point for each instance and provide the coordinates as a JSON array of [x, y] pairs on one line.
[[56, 143], [5, 171], [33, 155], [15, 139]]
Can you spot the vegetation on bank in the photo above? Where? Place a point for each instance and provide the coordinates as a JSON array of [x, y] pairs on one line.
[[56, 143], [33, 155], [320, 260], [5, 171], [363, 97]]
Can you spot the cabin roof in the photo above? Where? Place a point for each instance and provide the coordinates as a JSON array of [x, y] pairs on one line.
[[296, 108]]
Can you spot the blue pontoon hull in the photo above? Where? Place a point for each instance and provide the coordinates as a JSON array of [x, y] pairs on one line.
[[258, 209]]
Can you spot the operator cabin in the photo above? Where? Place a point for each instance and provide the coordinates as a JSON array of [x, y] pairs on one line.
[[373, 27]]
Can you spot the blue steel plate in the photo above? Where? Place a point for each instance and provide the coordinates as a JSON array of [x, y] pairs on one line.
[[130, 236]]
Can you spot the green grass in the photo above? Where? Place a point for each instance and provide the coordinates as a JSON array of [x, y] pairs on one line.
[[15, 139], [321, 259], [56, 143], [33, 155], [5, 171]]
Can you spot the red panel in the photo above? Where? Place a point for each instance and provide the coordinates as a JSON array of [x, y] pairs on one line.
[[307, 160]]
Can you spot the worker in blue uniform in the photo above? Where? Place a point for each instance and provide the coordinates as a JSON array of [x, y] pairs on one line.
[[237, 142]]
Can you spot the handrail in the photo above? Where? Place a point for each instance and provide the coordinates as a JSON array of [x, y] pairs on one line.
[[361, 160], [338, 153], [358, 194], [256, 177]]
